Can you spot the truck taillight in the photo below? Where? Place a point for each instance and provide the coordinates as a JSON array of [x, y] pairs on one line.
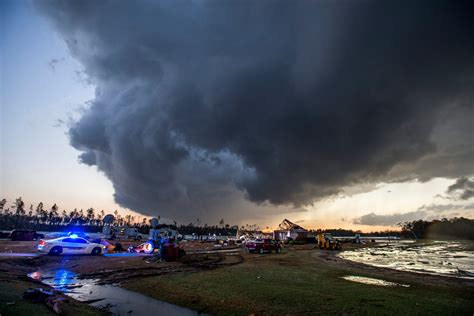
[[42, 242]]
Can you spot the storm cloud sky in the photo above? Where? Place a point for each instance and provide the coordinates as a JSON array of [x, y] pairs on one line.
[[462, 189], [203, 106], [427, 212]]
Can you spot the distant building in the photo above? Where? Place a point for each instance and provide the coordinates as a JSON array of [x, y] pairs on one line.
[[290, 231]]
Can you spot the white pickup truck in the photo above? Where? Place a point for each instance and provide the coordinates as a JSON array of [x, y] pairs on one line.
[[123, 233], [133, 233]]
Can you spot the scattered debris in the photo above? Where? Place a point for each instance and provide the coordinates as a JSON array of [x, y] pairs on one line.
[[49, 298], [55, 302], [38, 295], [118, 247]]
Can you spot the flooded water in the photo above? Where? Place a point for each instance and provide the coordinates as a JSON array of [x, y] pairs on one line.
[[115, 299], [372, 281], [449, 258]]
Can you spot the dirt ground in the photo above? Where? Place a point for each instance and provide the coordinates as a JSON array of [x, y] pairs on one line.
[[307, 281], [18, 246], [95, 265], [30, 246], [108, 269], [102, 265], [137, 272]]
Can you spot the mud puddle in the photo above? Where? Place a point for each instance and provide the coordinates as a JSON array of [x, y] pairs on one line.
[[372, 281], [447, 258], [115, 299]]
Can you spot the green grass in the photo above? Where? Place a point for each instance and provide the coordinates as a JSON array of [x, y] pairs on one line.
[[12, 292], [293, 285]]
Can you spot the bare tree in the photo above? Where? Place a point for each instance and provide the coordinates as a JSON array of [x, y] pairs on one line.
[[90, 215], [65, 217], [2, 204], [19, 206], [53, 214]]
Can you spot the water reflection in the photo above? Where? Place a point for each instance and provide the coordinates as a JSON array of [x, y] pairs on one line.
[[442, 257], [372, 281], [117, 300], [62, 278]]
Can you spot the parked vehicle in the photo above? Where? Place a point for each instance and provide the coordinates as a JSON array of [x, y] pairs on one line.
[[24, 235], [71, 245], [133, 233], [326, 241], [263, 245], [156, 234], [122, 232]]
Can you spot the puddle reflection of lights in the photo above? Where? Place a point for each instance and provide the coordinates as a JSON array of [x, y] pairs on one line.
[[35, 275], [63, 277], [109, 297]]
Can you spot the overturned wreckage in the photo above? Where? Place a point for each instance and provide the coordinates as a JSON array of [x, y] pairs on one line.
[[288, 230]]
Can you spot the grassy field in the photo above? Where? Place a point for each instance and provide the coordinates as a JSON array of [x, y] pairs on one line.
[[12, 303], [300, 283]]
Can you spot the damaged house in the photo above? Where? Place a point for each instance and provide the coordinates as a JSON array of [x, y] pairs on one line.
[[288, 230]]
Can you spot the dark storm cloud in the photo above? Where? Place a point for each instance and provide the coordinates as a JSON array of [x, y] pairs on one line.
[[425, 212], [462, 189], [285, 101], [373, 219]]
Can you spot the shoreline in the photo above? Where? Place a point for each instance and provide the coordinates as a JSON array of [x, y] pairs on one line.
[[419, 277]]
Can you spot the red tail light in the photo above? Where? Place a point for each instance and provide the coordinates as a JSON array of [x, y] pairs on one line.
[[42, 242]]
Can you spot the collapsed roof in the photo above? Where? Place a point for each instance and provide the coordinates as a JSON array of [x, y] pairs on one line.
[[288, 225]]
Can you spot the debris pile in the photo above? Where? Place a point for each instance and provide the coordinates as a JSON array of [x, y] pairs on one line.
[[51, 299], [288, 230]]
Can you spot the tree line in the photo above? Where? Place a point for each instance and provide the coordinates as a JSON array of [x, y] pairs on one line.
[[41, 218], [340, 232], [455, 228], [33, 217]]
